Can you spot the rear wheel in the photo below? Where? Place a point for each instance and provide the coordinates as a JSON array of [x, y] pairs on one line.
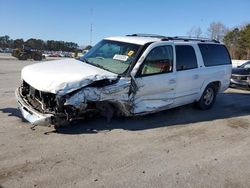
[[37, 57], [208, 97], [23, 56]]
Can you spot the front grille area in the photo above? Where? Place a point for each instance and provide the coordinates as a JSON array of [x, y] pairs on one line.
[[41, 101], [240, 78]]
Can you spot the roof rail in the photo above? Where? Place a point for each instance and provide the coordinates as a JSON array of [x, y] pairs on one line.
[[183, 38], [186, 39], [146, 35]]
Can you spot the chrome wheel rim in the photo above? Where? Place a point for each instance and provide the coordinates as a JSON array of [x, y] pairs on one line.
[[209, 96]]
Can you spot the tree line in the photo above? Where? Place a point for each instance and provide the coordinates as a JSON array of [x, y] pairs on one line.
[[236, 39], [49, 45]]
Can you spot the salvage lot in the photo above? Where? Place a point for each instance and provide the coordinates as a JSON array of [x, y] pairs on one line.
[[182, 147]]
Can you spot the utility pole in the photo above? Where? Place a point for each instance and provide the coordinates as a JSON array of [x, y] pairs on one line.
[[91, 32], [91, 26]]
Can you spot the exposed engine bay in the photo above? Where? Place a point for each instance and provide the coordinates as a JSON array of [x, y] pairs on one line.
[[103, 97]]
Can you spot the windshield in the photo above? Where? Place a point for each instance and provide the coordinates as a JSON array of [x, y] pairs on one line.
[[113, 56], [245, 65]]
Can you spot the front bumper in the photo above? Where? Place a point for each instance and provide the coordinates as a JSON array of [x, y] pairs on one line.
[[31, 115], [241, 83]]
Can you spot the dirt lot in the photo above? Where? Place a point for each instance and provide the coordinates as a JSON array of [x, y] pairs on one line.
[[183, 147]]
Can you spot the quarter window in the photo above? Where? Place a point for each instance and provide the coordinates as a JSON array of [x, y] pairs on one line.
[[185, 57], [214, 54], [159, 60]]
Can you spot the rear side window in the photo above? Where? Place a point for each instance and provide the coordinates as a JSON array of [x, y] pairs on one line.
[[214, 54], [185, 57]]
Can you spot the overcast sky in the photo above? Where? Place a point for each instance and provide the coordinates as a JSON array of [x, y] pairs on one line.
[[70, 20]]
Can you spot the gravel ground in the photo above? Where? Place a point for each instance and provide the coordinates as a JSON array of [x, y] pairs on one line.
[[182, 147]]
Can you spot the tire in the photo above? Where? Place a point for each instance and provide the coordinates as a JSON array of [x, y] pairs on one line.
[[22, 57], [208, 98], [37, 58], [60, 122]]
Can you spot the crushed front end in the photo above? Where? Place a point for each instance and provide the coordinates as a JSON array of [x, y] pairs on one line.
[[104, 97], [42, 108], [31, 106]]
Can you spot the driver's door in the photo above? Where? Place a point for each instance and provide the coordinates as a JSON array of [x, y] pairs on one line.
[[155, 80]]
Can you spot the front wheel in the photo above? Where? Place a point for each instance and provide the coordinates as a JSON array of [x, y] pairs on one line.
[[208, 98]]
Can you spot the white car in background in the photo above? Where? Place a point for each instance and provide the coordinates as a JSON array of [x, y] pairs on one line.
[[128, 75]]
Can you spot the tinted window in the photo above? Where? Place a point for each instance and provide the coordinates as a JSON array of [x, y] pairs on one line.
[[214, 54], [159, 60], [245, 65], [185, 57]]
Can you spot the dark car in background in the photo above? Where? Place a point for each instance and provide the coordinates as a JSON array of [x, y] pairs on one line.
[[241, 76]]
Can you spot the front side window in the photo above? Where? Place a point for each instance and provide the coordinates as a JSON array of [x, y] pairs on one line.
[[185, 57], [159, 60], [113, 56]]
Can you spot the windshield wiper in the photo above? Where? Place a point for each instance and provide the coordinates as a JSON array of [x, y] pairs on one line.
[[102, 58], [102, 67], [85, 60]]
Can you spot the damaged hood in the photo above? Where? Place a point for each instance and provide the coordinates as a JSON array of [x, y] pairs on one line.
[[63, 76]]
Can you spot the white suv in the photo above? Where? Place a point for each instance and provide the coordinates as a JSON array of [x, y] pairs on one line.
[[129, 75]]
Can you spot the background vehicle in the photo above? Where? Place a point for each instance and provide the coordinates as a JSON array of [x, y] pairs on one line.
[[27, 53], [241, 76], [6, 50], [79, 55], [237, 63], [130, 75]]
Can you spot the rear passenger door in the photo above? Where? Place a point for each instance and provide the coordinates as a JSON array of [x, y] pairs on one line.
[[189, 79]]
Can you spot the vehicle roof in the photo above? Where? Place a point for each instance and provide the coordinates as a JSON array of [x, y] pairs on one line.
[[141, 40], [134, 39]]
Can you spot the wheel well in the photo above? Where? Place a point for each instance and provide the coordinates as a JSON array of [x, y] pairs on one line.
[[217, 85]]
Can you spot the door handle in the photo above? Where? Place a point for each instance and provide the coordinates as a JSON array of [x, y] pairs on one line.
[[196, 76], [172, 81]]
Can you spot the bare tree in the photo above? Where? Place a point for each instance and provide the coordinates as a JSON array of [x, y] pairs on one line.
[[195, 32], [217, 31]]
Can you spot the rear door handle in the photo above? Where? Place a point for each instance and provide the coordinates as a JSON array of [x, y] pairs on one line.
[[196, 76], [172, 81]]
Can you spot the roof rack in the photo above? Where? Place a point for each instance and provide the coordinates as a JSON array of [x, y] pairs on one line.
[[146, 35], [182, 38], [186, 39]]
